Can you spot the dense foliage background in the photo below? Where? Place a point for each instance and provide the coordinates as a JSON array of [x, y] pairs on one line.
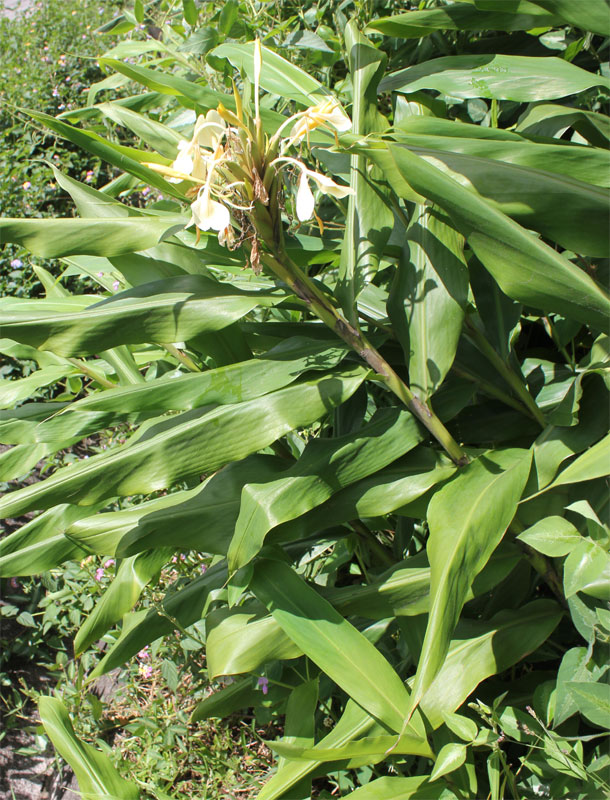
[[344, 480]]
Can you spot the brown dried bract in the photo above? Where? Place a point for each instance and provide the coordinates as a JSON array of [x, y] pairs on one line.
[[260, 193]]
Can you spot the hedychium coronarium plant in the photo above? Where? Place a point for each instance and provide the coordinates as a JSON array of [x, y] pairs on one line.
[[240, 179]]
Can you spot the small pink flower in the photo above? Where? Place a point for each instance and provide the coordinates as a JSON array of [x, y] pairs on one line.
[[89, 176], [144, 654], [116, 286], [145, 670], [14, 583], [145, 191], [99, 573], [55, 92], [16, 263], [204, 568], [263, 684], [26, 185], [100, 274], [110, 563]]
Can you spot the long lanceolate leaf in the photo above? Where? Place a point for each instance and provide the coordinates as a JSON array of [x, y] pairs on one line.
[[188, 445], [95, 773], [332, 643], [467, 519], [325, 467], [525, 268], [163, 311], [53, 238], [234, 383], [495, 76]]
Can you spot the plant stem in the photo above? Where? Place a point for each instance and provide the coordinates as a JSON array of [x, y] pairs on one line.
[[92, 373], [513, 380], [317, 302], [182, 357]]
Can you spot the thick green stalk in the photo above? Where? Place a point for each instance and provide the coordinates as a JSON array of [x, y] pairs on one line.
[[314, 298]]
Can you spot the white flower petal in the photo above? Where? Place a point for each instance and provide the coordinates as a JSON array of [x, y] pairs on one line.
[[184, 160], [209, 214], [327, 186], [305, 200], [339, 120]]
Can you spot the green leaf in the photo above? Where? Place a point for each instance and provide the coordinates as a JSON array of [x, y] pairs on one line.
[[40, 544], [576, 665], [427, 299], [18, 461], [188, 445], [332, 643], [462, 17], [369, 220], [200, 519], [134, 403], [593, 701], [278, 76], [238, 641], [189, 10], [171, 310], [96, 775], [525, 268], [354, 723], [227, 700], [587, 569], [501, 77], [121, 596], [480, 649], [54, 238], [140, 628], [550, 119], [590, 16], [300, 726], [15, 391], [325, 467], [501, 147], [386, 491], [396, 789], [374, 747], [553, 536], [462, 726], [593, 463], [160, 137], [449, 758], [561, 206], [125, 158], [467, 519]]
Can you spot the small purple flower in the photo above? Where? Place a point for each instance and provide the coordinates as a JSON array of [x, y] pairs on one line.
[[116, 286], [26, 185], [55, 92], [145, 191], [99, 573], [100, 274], [16, 263], [89, 176], [109, 563], [144, 654], [14, 583], [263, 684], [204, 568]]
